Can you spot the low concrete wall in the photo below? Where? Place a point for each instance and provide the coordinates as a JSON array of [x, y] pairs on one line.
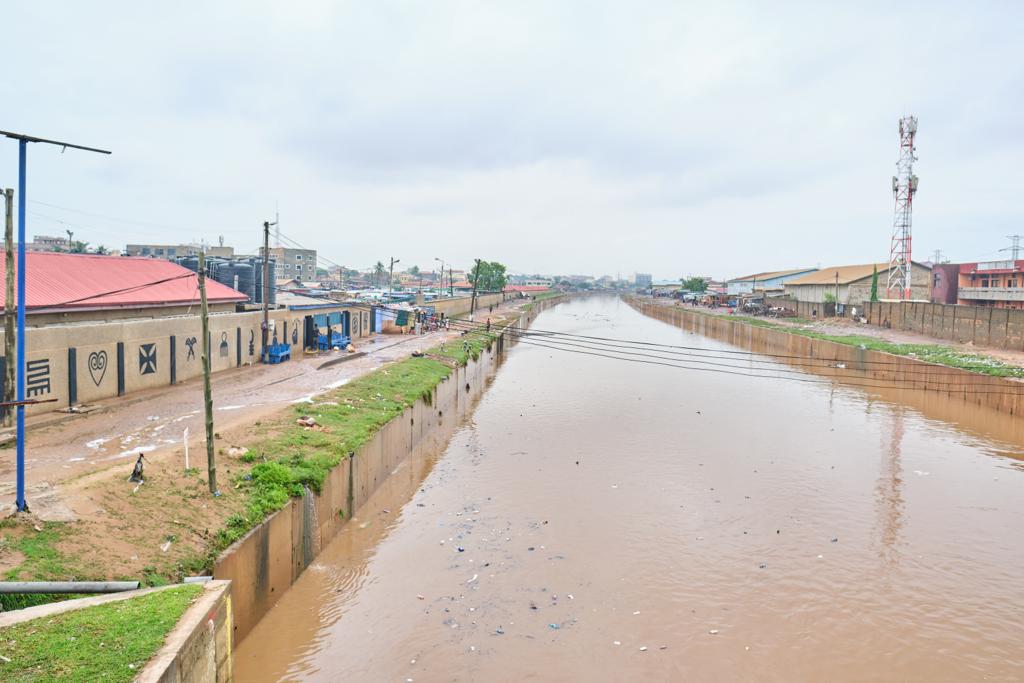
[[917, 380], [264, 564], [1001, 328], [199, 649], [86, 362]]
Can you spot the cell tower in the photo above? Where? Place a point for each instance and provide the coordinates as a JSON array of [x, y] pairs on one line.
[[904, 187]]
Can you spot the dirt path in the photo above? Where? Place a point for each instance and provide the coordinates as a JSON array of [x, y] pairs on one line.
[[73, 453]]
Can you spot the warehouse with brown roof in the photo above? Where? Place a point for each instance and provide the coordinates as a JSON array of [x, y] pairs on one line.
[[852, 284]]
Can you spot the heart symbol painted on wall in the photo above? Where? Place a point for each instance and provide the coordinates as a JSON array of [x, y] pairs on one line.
[[97, 366]]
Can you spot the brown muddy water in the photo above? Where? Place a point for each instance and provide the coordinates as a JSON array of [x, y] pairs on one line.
[[610, 521]]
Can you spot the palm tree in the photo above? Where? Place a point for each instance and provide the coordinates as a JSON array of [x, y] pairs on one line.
[[379, 271]]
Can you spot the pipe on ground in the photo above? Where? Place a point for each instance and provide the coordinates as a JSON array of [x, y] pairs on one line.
[[25, 587]]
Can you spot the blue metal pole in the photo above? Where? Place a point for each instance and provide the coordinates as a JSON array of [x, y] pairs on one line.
[[20, 501]]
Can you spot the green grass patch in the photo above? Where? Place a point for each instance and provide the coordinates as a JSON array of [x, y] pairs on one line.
[[286, 464], [42, 562], [110, 642], [929, 353]]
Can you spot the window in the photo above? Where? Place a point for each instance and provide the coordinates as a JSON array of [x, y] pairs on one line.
[[287, 266], [145, 251], [298, 257], [171, 252]]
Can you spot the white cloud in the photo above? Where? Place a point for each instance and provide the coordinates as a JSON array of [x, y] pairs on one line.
[[570, 137]]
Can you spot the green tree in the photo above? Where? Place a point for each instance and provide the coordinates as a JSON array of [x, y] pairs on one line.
[[379, 274], [101, 250], [695, 284], [874, 284], [79, 247], [414, 270], [491, 276]]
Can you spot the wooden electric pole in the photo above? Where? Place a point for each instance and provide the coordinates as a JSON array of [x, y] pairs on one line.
[[476, 278], [391, 276], [266, 290], [10, 365], [204, 316]]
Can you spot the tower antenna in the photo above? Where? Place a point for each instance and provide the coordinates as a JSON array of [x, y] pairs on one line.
[[904, 187]]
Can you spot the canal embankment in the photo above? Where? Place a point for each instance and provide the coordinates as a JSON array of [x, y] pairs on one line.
[[847, 362], [310, 480]]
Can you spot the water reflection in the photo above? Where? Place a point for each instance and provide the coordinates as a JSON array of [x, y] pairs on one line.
[[889, 501]]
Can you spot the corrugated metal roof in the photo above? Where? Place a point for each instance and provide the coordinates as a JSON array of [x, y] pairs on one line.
[[79, 281], [770, 274], [847, 274]]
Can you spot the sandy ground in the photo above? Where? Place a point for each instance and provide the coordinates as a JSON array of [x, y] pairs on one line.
[[78, 449], [78, 466]]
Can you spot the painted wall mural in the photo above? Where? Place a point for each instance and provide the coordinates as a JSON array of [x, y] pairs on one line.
[[37, 377], [97, 366], [147, 359], [191, 344], [224, 349]]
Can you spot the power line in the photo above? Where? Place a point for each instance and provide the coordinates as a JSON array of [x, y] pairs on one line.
[[929, 383]]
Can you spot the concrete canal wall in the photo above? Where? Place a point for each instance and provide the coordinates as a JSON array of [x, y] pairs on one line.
[[263, 564], [1003, 395]]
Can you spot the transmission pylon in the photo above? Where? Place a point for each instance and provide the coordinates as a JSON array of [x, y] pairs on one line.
[[1014, 247], [904, 187]]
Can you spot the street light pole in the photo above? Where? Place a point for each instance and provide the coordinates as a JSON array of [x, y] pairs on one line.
[[20, 504]]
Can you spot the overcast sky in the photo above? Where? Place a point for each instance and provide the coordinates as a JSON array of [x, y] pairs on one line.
[[556, 137]]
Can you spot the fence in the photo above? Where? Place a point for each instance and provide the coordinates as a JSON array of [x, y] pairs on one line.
[[1001, 328]]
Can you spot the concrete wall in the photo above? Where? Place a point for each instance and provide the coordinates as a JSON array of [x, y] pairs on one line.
[[199, 649], [79, 363], [264, 563], [918, 382], [1001, 328]]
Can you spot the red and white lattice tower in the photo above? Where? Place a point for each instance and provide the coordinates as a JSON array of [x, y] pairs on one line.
[[904, 187]]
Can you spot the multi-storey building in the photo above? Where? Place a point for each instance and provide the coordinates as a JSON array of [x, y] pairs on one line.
[[296, 263], [991, 283]]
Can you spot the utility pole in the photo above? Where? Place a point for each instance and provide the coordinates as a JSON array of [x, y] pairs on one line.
[[266, 289], [451, 282], [391, 276], [476, 277], [835, 311], [204, 316], [20, 504], [937, 256], [9, 313]]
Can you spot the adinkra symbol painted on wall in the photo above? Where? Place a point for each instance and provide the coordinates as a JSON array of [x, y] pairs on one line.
[[224, 350], [147, 359], [97, 366], [37, 377], [191, 344], [252, 343]]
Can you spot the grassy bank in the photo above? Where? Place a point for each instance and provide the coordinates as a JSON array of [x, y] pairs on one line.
[[285, 463], [110, 642], [929, 353]]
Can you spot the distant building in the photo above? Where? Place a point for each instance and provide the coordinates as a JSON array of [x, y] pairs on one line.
[[852, 284], [173, 251], [768, 281], [999, 284], [48, 243], [643, 281], [297, 263], [945, 279]]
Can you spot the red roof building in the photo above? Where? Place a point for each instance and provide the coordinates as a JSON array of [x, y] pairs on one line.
[[60, 283], [527, 289]]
